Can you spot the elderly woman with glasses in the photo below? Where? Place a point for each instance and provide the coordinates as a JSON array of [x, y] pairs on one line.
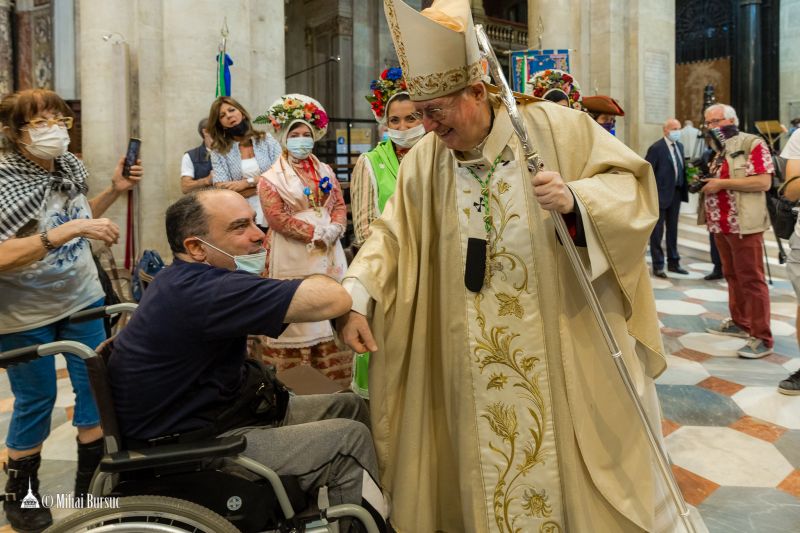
[[47, 273]]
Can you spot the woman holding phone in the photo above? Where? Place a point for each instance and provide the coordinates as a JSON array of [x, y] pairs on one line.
[[46, 274]]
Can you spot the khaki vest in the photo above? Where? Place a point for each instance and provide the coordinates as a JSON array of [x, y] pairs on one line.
[[751, 206]]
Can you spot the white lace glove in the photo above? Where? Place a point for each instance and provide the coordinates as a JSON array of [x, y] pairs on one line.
[[327, 234], [332, 233]]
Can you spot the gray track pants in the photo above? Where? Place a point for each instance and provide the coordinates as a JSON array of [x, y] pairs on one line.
[[324, 440]]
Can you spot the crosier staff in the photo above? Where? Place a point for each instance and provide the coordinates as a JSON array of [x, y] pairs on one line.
[[535, 165]]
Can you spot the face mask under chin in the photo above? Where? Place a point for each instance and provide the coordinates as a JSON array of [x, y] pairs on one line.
[[237, 130], [252, 263]]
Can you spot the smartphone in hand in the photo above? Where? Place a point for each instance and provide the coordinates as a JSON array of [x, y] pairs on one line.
[[131, 156]]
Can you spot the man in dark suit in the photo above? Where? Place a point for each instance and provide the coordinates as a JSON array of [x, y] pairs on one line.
[[667, 159]]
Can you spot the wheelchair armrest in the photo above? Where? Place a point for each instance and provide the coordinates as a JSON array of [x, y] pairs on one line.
[[172, 454]]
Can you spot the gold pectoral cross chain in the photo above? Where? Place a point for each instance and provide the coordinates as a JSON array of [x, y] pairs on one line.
[[486, 202]]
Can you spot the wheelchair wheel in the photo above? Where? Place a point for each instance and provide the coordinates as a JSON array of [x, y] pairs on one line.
[[137, 514]]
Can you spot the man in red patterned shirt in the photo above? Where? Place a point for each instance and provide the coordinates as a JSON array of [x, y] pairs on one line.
[[734, 209]]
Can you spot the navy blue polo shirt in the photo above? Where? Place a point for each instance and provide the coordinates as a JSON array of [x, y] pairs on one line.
[[182, 353]]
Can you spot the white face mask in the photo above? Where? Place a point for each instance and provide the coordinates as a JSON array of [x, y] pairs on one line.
[[253, 263], [48, 143], [407, 138], [300, 147]]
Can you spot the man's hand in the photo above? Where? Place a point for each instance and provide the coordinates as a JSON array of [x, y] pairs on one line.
[[552, 193], [713, 185], [354, 330], [120, 183]]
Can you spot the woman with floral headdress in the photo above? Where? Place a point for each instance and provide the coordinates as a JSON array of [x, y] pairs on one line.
[[556, 86], [305, 209], [375, 173]]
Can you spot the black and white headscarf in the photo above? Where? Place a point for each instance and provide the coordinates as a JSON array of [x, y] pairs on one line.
[[25, 186]]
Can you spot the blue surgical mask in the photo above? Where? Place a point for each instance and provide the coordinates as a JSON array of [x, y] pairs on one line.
[[253, 263], [385, 136], [609, 127], [674, 135], [300, 147]]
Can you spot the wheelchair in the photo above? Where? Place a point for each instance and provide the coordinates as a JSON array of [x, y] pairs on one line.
[[198, 486]]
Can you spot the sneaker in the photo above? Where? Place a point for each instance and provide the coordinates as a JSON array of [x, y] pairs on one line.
[[790, 385], [754, 349], [729, 327]]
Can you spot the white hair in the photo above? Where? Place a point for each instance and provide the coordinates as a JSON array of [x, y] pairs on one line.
[[688, 123], [727, 112]]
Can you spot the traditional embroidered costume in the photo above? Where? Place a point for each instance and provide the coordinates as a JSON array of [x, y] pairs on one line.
[[305, 209]]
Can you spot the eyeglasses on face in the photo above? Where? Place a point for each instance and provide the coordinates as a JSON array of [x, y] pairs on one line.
[[42, 123], [713, 122], [437, 113]]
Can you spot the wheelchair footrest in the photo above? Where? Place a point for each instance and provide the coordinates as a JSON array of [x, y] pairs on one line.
[[172, 454]]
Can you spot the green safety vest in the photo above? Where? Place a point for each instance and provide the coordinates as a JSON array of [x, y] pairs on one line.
[[384, 166]]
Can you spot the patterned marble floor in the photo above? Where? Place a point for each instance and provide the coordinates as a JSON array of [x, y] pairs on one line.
[[734, 440]]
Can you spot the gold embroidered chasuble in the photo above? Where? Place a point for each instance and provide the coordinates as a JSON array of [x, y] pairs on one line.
[[502, 411]]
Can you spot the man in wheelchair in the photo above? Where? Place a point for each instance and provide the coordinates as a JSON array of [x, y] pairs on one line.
[[179, 369]]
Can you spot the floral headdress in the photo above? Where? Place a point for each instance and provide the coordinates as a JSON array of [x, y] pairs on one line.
[[292, 108], [387, 86], [545, 80]]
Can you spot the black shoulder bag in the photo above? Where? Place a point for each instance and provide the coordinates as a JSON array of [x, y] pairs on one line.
[[781, 210]]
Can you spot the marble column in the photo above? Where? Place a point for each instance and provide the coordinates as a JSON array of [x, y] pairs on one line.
[[790, 61], [621, 48], [6, 49], [559, 24], [557, 21], [748, 77], [64, 68], [171, 79]]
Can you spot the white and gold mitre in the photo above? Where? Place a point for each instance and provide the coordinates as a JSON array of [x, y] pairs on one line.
[[437, 47]]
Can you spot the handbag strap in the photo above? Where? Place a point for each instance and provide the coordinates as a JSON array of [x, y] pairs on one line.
[[785, 183]]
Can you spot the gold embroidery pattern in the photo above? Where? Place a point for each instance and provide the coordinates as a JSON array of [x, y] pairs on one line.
[[550, 527], [442, 83], [396, 36], [520, 449]]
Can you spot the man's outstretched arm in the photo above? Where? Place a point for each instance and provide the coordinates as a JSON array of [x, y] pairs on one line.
[[318, 298]]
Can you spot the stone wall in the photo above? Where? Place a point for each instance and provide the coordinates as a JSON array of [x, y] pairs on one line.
[[621, 48], [789, 60], [6, 49], [153, 76]]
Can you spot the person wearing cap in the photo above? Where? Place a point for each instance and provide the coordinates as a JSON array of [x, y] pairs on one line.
[[495, 404], [557, 86], [305, 209], [604, 110]]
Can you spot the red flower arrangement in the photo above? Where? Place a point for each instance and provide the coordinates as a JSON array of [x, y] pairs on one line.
[[290, 109], [548, 79], [387, 85]]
